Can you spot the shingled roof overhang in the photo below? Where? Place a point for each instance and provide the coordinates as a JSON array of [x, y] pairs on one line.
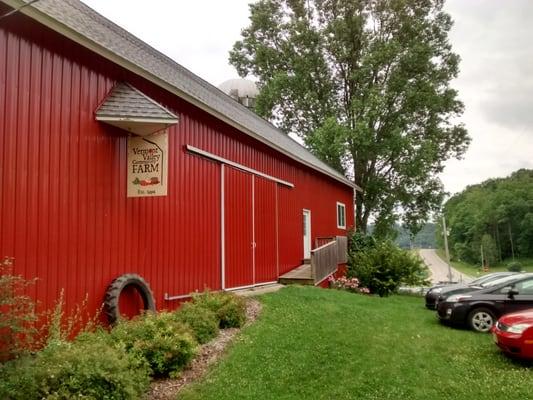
[[131, 110], [83, 25]]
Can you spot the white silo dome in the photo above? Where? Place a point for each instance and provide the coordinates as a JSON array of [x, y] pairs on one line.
[[239, 88]]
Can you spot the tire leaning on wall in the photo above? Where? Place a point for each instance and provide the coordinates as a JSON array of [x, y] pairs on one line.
[[115, 288]]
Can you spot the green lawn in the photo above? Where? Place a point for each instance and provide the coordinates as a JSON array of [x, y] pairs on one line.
[[324, 344], [474, 270]]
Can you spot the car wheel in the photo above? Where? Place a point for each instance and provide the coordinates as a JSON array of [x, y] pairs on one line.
[[481, 319]]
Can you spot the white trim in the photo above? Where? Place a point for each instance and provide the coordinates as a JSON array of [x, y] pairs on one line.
[[250, 286], [343, 214], [223, 160], [222, 230], [165, 121], [166, 297], [76, 37]]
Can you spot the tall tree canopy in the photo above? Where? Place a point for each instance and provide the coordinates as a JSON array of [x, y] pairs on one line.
[[497, 214], [366, 85]]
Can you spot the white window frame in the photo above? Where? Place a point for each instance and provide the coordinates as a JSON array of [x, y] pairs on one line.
[[343, 214]]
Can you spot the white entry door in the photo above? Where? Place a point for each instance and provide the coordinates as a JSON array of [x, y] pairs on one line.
[[307, 233]]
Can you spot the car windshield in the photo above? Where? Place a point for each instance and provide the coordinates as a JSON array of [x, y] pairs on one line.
[[502, 280], [483, 279], [487, 278]]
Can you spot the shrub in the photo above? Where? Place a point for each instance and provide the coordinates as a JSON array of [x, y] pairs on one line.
[[17, 312], [514, 266], [202, 321], [88, 368], [385, 267], [358, 241], [229, 308], [166, 344], [348, 284]]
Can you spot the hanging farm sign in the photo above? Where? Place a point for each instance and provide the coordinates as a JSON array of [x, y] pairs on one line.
[[147, 165]]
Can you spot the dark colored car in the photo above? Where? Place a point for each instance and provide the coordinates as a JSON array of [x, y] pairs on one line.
[[513, 333], [440, 292], [480, 309]]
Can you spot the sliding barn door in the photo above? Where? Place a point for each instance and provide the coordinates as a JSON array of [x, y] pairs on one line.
[[265, 224], [238, 228]]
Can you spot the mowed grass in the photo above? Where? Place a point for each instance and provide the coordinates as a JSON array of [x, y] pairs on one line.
[[325, 344]]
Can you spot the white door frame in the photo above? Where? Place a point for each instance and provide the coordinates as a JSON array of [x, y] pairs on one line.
[[306, 214]]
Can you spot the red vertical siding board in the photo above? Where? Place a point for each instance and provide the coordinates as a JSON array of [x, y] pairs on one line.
[[21, 152], [32, 238], [3, 133], [10, 126]]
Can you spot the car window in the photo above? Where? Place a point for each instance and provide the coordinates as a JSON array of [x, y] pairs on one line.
[[500, 281], [524, 287], [487, 278], [482, 279]]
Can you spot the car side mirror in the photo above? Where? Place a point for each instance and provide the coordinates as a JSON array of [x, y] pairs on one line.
[[512, 292]]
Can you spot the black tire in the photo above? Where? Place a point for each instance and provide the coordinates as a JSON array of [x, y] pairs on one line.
[[112, 295], [481, 319]]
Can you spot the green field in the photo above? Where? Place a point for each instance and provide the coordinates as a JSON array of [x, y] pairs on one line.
[[324, 344]]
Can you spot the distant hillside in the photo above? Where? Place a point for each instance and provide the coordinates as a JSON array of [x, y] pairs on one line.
[[425, 239]]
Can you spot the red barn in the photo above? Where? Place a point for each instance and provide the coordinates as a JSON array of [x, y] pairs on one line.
[[117, 160]]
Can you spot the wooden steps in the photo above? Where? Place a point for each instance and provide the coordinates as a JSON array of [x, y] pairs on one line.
[[301, 275]]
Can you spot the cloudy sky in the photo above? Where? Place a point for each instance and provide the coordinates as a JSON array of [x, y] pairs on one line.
[[493, 38]]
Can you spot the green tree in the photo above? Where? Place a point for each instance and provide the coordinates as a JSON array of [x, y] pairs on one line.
[[501, 209], [366, 85], [490, 254]]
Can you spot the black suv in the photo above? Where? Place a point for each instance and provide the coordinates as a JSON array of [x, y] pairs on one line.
[[480, 309]]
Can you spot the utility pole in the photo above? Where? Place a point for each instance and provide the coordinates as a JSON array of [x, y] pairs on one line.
[[445, 233], [482, 259], [511, 237]]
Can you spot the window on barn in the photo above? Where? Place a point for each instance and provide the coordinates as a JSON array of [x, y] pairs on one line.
[[341, 215]]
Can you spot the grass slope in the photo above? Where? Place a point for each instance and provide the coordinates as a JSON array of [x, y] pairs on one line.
[[475, 270], [323, 344]]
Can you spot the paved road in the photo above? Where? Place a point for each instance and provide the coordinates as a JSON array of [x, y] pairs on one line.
[[439, 268]]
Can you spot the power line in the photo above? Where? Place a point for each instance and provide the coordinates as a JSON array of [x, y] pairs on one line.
[[17, 9]]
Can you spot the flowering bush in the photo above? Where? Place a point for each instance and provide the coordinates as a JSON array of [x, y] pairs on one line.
[[349, 284]]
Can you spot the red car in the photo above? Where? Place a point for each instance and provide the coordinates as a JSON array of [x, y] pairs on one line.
[[513, 333]]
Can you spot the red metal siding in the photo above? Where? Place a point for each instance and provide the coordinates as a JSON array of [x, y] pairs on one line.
[[64, 213], [238, 238], [265, 230]]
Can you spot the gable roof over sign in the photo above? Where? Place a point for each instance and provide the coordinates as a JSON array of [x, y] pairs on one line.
[[124, 101], [128, 108], [80, 23]]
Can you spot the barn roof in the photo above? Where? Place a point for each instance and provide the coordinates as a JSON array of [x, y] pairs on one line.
[[85, 26]]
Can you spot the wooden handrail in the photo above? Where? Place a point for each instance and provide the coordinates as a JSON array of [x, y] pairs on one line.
[[321, 240], [326, 257], [324, 261], [342, 249]]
